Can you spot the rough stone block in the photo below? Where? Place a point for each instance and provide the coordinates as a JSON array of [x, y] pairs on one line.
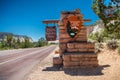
[[72, 50], [61, 27], [82, 60], [62, 30], [70, 45], [66, 58], [64, 40], [75, 59], [91, 50], [74, 63], [82, 34], [81, 39], [90, 45], [79, 45], [62, 45], [64, 35], [57, 60], [82, 50], [66, 64]]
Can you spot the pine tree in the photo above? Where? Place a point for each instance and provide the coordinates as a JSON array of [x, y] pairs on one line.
[[42, 42], [27, 43], [109, 14], [9, 40]]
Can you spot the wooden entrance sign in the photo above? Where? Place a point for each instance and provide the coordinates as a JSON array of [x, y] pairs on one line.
[[74, 50], [50, 30]]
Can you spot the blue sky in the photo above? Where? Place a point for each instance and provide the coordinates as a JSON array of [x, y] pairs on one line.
[[24, 17]]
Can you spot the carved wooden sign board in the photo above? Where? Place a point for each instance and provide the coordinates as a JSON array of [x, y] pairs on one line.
[[51, 33]]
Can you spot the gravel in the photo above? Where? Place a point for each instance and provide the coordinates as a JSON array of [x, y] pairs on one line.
[[109, 69]]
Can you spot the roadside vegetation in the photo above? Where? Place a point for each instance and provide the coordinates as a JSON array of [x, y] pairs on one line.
[[9, 42], [110, 34]]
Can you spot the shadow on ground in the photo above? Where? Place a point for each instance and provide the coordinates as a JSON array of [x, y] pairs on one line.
[[79, 71], [2, 77], [53, 68]]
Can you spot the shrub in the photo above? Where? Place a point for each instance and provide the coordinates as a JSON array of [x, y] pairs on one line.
[[97, 37], [119, 49], [98, 47], [112, 44]]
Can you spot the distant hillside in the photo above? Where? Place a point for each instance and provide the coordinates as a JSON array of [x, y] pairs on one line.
[[21, 37], [97, 26]]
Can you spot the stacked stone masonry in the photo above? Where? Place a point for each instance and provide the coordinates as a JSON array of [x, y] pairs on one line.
[[80, 60], [80, 47], [57, 60], [77, 52]]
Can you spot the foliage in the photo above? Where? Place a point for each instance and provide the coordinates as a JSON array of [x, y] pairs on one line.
[[42, 42], [26, 43], [0, 44], [96, 23], [9, 42], [112, 44], [97, 37], [17, 44], [102, 36], [98, 47], [109, 12], [119, 49]]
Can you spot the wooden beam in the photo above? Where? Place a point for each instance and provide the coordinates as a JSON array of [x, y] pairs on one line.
[[87, 20], [50, 21]]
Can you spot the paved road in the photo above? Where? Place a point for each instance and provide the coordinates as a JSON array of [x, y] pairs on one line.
[[15, 64]]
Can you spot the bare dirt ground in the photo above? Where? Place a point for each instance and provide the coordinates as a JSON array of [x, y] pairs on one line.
[[109, 69]]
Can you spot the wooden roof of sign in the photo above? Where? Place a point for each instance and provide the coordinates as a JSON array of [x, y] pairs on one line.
[[50, 21], [77, 11], [87, 20]]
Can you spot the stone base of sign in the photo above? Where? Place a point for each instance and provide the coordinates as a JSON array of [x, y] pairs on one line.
[[80, 47], [57, 60], [80, 60]]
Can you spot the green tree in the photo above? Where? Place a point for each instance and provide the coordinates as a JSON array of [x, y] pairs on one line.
[[3, 42], [9, 40], [97, 37], [27, 43], [42, 42], [110, 15], [0, 45], [18, 43], [14, 43]]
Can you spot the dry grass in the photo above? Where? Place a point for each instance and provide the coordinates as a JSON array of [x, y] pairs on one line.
[[109, 69]]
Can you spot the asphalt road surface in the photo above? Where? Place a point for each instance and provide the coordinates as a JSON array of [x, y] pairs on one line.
[[16, 64]]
